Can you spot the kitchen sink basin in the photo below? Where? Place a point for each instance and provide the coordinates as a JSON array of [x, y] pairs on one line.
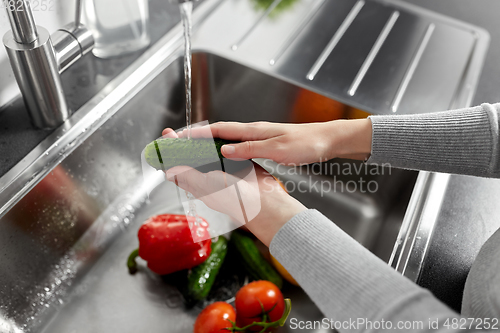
[[64, 245], [70, 210]]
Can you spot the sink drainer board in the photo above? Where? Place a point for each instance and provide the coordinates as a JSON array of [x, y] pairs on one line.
[[381, 56], [70, 212]]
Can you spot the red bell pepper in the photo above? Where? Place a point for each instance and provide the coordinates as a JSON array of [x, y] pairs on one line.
[[166, 243]]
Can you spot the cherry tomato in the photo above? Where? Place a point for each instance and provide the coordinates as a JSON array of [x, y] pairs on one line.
[[214, 318], [248, 303]]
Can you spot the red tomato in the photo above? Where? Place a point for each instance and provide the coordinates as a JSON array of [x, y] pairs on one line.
[[214, 318], [249, 299]]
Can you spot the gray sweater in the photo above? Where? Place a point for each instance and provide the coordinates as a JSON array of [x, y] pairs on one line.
[[357, 291]]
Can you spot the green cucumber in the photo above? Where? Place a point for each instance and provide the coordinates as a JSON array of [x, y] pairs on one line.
[[166, 153], [202, 277], [258, 267]]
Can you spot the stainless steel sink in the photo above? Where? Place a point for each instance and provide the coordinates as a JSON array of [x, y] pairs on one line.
[[69, 212], [70, 236]]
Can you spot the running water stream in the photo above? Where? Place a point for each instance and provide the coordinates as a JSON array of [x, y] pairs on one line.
[[186, 15]]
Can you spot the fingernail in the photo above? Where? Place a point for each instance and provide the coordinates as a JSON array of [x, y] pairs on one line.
[[227, 149]]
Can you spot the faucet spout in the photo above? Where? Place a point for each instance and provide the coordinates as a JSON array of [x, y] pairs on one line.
[[22, 22]]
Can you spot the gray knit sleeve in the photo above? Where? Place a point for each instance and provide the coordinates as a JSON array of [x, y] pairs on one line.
[[354, 289], [464, 141]]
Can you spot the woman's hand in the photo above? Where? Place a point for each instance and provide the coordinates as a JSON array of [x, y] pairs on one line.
[[293, 144], [267, 206]]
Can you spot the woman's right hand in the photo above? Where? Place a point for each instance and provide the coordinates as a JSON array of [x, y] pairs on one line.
[[294, 144]]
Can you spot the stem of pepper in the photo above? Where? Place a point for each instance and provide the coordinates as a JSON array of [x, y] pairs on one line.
[[265, 326], [131, 264]]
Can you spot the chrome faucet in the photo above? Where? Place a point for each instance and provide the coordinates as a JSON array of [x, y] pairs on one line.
[[38, 59]]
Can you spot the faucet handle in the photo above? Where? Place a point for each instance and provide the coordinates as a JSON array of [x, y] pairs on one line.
[[71, 42]]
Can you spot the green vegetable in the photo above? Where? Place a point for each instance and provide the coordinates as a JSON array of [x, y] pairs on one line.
[[202, 277], [166, 153], [257, 266], [283, 6]]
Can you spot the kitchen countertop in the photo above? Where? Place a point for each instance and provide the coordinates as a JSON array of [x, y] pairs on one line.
[[470, 212]]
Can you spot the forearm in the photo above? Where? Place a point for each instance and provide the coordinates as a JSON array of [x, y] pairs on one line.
[[462, 141], [347, 282]]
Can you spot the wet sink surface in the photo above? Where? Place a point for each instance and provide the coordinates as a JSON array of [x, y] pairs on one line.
[[70, 237], [108, 299]]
